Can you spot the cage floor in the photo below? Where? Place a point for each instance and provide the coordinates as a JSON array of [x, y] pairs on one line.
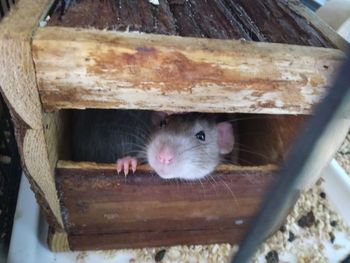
[[29, 234]]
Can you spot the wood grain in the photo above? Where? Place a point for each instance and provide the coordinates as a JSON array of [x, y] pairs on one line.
[[93, 69], [156, 239], [268, 21], [327, 145], [97, 202], [320, 25], [19, 89], [57, 136], [265, 139], [57, 240]]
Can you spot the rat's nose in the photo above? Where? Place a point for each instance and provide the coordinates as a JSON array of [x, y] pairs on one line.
[[165, 155]]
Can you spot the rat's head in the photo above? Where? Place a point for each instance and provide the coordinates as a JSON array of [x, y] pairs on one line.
[[188, 146]]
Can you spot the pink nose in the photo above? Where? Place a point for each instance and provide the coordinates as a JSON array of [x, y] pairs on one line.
[[165, 155]]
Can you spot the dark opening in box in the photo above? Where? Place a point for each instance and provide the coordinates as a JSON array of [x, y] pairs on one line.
[[259, 139], [103, 210]]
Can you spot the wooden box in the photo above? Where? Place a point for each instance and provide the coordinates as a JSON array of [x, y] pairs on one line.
[[270, 61]]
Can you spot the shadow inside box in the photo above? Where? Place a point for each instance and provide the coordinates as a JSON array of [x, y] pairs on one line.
[[10, 175]]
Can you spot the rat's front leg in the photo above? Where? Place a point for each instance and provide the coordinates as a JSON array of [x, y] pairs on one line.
[[125, 163]]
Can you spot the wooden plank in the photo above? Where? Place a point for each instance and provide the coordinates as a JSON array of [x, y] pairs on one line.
[[57, 240], [267, 139], [268, 20], [57, 136], [156, 239], [318, 23], [92, 69], [311, 153], [19, 89], [72, 167], [15, 34], [333, 134], [96, 201]]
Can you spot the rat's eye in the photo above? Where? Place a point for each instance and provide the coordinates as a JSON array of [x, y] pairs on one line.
[[162, 123], [200, 135]]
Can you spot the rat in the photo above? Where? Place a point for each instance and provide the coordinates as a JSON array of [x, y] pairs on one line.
[[103, 136], [187, 146]]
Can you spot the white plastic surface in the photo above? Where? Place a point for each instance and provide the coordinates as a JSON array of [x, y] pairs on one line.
[[344, 30], [337, 189], [336, 13], [29, 231]]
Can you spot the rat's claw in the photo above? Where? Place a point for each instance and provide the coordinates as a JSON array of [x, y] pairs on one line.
[[133, 164], [119, 165], [126, 166], [125, 163]]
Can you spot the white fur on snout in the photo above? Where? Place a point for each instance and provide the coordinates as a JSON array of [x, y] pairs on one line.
[[193, 158]]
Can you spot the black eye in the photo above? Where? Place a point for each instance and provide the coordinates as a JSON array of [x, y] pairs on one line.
[[200, 135], [162, 123]]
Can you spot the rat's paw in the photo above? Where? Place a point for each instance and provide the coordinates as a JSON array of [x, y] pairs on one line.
[[125, 163]]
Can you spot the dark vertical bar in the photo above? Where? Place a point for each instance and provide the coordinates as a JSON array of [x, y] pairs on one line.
[[4, 7], [2, 13], [8, 2], [282, 195]]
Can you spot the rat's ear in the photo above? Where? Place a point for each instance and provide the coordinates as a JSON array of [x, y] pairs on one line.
[[157, 117], [225, 137]]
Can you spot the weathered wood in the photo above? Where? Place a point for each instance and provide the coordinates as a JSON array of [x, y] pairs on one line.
[[310, 154], [145, 168], [92, 69], [87, 68], [96, 201], [267, 139], [268, 20], [19, 89], [57, 136], [157, 238], [57, 240], [331, 138], [318, 23]]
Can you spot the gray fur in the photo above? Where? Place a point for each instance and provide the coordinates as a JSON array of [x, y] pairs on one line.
[[194, 158], [106, 135]]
